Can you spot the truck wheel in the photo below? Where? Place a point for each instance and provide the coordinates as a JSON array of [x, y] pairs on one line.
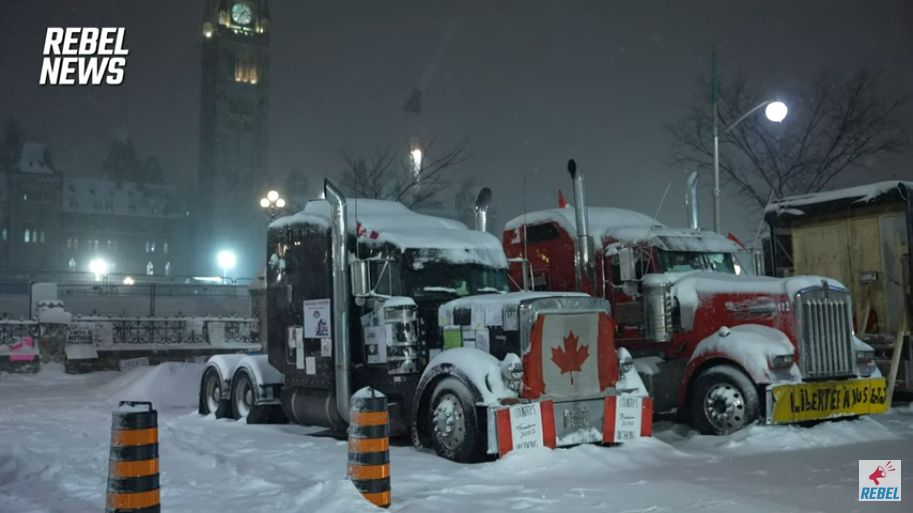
[[723, 400], [455, 432], [242, 396], [211, 393]]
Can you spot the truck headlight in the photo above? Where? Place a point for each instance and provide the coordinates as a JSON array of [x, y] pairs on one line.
[[781, 361], [625, 363], [512, 372], [864, 356]]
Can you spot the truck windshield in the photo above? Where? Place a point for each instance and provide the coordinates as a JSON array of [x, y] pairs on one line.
[[455, 279], [684, 261]]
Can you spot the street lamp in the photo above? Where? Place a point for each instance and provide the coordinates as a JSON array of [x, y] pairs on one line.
[[98, 267], [226, 260], [775, 111], [272, 202], [416, 157]]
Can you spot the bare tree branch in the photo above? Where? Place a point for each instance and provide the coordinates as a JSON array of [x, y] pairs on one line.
[[389, 173], [835, 126]]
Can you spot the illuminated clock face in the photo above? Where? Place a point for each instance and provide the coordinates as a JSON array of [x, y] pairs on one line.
[[242, 14]]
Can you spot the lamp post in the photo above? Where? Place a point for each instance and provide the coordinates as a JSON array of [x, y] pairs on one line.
[[775, 111], [273, 203]]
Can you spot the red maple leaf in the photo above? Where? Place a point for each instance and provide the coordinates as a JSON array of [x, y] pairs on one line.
[[570, 358]]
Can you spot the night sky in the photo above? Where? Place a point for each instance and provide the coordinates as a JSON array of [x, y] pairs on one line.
[[531, 83]]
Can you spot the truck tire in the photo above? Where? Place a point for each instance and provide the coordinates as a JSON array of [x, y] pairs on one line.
[[211, 393], [723, 400], [456, 433], [242, 396]]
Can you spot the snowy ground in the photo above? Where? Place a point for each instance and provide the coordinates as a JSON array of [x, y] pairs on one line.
[[55, 429]]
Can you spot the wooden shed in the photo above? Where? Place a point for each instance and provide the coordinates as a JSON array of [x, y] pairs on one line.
[[860, 236]]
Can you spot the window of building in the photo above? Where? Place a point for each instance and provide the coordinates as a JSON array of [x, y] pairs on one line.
[[152, 247], [75, 243], [25, 196], [165, 248], [167, 268], [69, 243], [34, 236], [150, 269], [109, 244], [26, 237], [5, 235], [71, 265]]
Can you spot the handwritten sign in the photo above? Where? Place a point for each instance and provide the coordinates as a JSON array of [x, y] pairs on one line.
[[317, 323]]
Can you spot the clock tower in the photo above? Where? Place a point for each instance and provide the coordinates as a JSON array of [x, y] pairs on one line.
[[234, 138]]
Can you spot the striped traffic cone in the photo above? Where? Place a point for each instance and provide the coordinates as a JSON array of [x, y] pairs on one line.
[[369, 446], [133, 467]]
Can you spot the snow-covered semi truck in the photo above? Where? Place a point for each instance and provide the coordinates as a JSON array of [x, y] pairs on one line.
[[721, 349], [369, 293]]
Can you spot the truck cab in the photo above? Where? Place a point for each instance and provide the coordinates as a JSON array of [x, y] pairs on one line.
[[367, 293], [721, 349]]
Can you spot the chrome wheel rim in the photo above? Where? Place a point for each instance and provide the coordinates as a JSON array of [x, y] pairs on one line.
[[724, 407], [244, 398], [449, 422], [213, 393]]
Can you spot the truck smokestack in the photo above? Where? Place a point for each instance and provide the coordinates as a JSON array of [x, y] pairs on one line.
[[691, 200], [481, 209], [584, 276], [339, 263]]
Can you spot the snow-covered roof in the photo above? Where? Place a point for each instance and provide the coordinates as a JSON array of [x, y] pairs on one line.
[[391, 222], [608, 224], [854, 196], [101, 196], [32, 159]]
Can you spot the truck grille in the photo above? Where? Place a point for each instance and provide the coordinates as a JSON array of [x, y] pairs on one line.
[[825, 332]]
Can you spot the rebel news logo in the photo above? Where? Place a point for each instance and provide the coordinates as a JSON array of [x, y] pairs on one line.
[[84, 56], [879, 480]]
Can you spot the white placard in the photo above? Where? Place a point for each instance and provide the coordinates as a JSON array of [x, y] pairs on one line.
[[511, 323], [326, 347], [376, 344], [526, 426], [299, 354], [310, 365], [317, 323], [628, 414], [482, 342]]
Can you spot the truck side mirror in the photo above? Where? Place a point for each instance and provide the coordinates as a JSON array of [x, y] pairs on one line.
[[626, 265], [360, 273]]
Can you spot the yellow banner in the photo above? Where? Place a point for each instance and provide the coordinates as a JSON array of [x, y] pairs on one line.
[[826, 399]]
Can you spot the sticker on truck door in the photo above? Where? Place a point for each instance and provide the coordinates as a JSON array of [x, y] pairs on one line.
[[317, 322]]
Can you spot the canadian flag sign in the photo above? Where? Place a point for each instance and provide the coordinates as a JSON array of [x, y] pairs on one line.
[[626, 418], [525, 426]]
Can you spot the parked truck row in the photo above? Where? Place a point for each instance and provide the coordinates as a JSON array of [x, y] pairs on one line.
[[574, 328]]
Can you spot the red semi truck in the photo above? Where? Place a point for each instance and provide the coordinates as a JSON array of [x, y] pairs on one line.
[[721, 349]]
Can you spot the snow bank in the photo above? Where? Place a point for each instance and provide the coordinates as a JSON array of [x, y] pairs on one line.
[[167, 385], [758, 439]]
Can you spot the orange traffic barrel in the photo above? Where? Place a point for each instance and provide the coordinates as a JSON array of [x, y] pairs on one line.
[[369, 446], [133, 466]]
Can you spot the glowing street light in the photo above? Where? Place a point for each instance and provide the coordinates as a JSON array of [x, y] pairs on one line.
[[776, 111], [98, 267], [129, 281], [226, 260], [416, 157], [272, 202]]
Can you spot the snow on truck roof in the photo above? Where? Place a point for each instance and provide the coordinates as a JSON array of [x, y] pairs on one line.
[[391, 222], [619, 224]]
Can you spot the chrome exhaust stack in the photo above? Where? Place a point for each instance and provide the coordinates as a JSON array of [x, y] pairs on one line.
[[481, 209], [340, 314], [691, 201], [584, 248]]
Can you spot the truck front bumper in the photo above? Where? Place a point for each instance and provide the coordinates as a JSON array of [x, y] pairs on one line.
[[819, 400], [562, 423]]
